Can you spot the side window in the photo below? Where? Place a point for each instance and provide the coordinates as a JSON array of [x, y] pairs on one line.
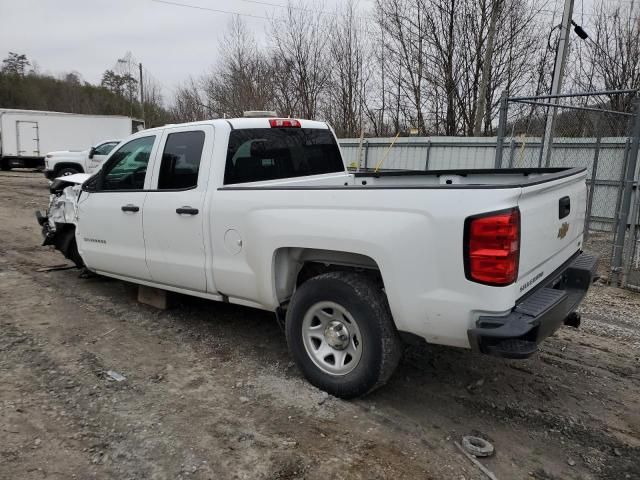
[[181, 160], [128, 165], [105, 148]]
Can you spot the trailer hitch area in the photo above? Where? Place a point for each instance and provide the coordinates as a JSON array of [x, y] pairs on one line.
[[573, 320]]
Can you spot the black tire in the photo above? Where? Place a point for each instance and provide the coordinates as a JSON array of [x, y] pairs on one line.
[[367, 304], [66, 171], [65, 242], [5, 167], [477, 446]]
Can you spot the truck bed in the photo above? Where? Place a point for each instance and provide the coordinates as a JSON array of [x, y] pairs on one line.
[[412, 224], [471, 178]]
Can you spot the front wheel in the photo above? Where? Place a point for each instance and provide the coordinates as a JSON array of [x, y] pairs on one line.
[[66, 171], [341, 334]]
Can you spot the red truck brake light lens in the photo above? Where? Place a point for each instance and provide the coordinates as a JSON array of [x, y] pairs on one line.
[[492, 247], [284, 123]]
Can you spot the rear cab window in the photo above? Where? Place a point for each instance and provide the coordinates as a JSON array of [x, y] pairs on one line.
[[258, 154]]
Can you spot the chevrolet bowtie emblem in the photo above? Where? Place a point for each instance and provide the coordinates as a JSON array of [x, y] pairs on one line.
[[562, 231]]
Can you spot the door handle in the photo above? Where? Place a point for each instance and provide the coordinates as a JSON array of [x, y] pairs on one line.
[[564, 207], [186, 211], [130, 208]]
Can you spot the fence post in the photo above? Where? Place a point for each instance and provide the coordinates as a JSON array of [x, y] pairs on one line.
[[502, 126], [633, 230], [426, 160], [627, 193], [616, 211], [594, 177], [366, 154], [512, 151]]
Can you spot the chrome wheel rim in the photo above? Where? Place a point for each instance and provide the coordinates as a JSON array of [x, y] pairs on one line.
[[332, 338]]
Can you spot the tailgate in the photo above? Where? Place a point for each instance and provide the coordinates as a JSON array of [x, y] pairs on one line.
[[552, 222]]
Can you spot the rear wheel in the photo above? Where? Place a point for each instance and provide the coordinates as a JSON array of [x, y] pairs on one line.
[[341, 334]]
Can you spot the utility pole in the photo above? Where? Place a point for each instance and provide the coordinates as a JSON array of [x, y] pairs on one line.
[[556, 85], [486, 67], [141, 93]]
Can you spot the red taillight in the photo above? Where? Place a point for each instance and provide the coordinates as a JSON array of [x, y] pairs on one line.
[[284, 123], [492, 247]]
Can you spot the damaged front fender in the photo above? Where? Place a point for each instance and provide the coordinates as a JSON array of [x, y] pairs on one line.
[[59, 223]]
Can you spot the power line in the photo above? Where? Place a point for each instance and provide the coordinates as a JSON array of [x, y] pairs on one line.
[[257, 2], [302, 9], [176, 4], [542, 12], [217, 10], [597, 15]]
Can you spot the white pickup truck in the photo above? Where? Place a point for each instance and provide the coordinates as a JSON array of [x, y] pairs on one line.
[[69, 162], [262, 212]]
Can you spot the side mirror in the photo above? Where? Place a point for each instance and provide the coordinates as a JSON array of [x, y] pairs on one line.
[[92, 152], [92, 183]]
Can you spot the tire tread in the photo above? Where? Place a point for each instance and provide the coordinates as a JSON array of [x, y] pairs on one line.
[[370, 292]]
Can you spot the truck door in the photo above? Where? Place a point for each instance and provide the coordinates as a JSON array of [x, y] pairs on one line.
[[109, 235], [175, 209], [28, 140]]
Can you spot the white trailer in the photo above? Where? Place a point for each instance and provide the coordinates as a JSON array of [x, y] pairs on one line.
[[27, 135]]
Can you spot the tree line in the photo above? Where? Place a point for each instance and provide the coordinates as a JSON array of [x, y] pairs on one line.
[[23, 86], [429, 67], [432, 67]]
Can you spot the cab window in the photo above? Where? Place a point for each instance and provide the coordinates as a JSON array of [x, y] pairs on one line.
[[105, 148], [258, 154], [128, 165], [181, 160]]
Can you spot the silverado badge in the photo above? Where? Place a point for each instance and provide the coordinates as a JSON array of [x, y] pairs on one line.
[[562, 231]]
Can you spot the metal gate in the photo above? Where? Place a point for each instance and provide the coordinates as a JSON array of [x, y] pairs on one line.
[[599, 131]]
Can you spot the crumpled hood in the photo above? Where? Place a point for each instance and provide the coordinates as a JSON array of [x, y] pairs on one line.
[[77, 178]]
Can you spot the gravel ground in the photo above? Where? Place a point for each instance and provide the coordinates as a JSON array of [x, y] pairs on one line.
[[210, 392]]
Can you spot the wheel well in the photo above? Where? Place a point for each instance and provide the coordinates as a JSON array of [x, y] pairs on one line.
[[60, 166], [293, 266]]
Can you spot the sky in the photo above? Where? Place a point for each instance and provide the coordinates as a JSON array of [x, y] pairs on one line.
[[172, 42]]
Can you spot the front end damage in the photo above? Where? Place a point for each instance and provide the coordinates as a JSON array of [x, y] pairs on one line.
[[59, 222]]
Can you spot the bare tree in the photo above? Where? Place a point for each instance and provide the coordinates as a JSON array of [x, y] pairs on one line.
[[486, 66], [349, 72], [404, 23], [241, 79], [300, 40], [613, 54], [188, 103]]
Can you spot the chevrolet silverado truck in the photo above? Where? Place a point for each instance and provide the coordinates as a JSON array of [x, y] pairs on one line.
[[69, 162], [262, 212]]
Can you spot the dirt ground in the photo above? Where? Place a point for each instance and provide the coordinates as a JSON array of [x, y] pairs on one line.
[[211, 393]]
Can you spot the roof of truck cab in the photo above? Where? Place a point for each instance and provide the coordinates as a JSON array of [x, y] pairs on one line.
[[240, 123]]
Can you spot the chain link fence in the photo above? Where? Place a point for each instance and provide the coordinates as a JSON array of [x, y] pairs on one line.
[[600, 132]]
